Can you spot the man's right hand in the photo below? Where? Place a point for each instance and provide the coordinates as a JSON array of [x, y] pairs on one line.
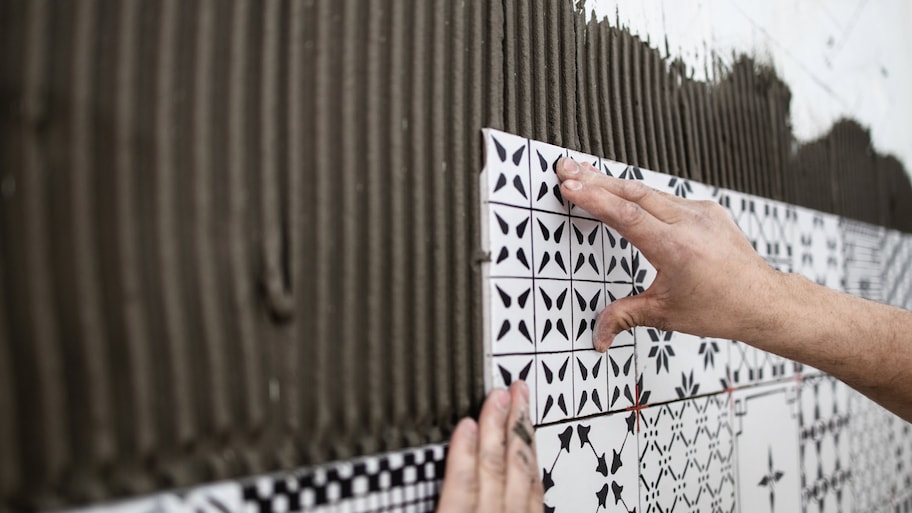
[[709, 280]]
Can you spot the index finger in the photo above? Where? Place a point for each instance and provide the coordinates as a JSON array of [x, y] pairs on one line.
[[664, 207], [633, 222]]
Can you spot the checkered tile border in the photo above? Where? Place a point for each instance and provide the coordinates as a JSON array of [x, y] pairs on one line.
[[403, 481], [391, 482]]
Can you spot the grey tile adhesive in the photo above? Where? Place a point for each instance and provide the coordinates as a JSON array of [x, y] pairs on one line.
[[237, 237]]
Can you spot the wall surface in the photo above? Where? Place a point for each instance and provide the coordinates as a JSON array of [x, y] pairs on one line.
[[237, 237], [843, 58]]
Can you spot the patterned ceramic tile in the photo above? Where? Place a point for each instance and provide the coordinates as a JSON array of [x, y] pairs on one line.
[[817, 248], [676, 186], [622, 386], [590, 383], [748, 365], [826, 465], [553, 315], [588, 301], [766, 442], [554, 386], [507, 169], [896, 275], [510, 232], [590, 465], [546, 193], [677, 365], [586, 251], [551, 245], [507, 369], [880, 446], [687, 457], [512, 305], [862, 246]]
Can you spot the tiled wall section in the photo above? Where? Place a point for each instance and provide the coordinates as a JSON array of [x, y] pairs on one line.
[[663, 421], [667, 421]]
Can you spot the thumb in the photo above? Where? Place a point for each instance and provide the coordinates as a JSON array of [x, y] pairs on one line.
[[621, 315]]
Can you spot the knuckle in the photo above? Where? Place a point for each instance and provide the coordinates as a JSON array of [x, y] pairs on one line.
[[524, 459], [492, 463], [655, 313], [635, 190], [630, 214], [713, 209], [466, 480]]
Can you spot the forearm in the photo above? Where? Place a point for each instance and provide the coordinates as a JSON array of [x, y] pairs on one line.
[[865, 344]]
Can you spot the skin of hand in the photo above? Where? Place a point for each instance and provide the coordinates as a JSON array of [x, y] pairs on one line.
[[698, 253], [492, 465], [710, 282]]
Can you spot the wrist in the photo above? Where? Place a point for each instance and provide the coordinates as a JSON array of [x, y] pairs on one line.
[[771, 313]]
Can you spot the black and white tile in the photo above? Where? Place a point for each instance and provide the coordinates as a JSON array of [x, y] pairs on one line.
[[824, 451], [545, 186], [554, 386], [748, 365], [879, 445], [510, 232], [507, 170], [588, 301], [553, 315], [551, 245], [687, 456], [862, 246], [766, 431], [896, 275], [677, 365], [590, 465], [817, 248], [586, 249], [512, 311], [399, 481]]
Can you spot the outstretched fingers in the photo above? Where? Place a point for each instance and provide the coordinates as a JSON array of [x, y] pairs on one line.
[[632, 221], [662, 206]]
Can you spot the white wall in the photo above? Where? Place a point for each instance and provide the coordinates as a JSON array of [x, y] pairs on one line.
[[841, 58]]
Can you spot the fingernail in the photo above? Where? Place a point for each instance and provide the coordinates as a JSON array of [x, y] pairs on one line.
[[570, 166], [573, 185], [503, 399], [469, 429], [604, 343]]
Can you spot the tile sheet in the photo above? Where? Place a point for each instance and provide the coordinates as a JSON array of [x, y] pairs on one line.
[[667, 421]]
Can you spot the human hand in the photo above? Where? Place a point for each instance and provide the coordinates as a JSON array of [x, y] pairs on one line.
[[492, 466], [709, 281]]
